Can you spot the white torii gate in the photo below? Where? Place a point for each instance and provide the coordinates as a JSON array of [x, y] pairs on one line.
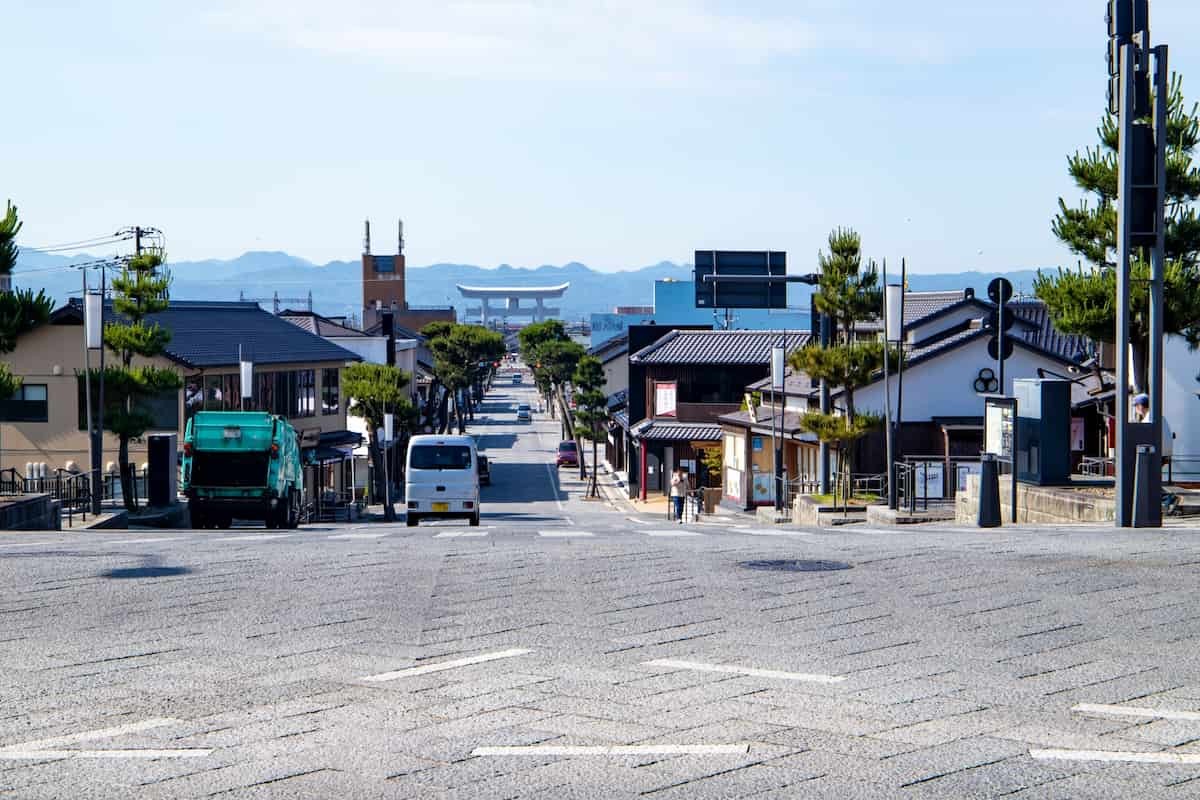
[[512, 297]]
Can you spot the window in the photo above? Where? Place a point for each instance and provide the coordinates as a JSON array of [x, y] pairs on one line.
[[329, 391], [439, 457], [305, 404], [29, 404]]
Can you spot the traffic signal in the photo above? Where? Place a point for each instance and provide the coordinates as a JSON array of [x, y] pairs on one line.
[[1000, 320], [1127, 18]]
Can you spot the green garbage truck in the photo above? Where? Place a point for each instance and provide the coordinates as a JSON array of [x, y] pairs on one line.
[[242, 465]]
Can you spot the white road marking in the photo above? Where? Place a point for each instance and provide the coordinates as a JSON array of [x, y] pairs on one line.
[[752, 672], [24, 544], [254, 537], [444, 665], [52, 747], [673, 532], [14, 755], [358, 536], [563, 534], [639, 521], [1134, 711], [460, 533], [137, 541], [552, 473], [774, 532], [1116, 755], [615, 750]]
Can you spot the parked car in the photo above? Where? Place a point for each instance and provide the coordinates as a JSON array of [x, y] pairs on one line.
[[516, 378], [523, 413], [485, 471], [568, 455]]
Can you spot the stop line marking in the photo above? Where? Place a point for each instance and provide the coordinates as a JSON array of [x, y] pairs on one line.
[[614, 750], [425, 669], [462, 533], [669, 663], [52, 748], [359, 535], [1116, 756], [564, 534], [1134, 711]]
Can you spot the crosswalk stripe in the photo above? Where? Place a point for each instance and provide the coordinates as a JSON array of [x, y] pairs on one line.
[[460, 534], [672, 532], [564, 534]]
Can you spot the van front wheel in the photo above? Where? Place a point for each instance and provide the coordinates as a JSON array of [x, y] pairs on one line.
[[475, 520]]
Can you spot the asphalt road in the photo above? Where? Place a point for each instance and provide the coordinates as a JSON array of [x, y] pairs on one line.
[[565, 649]]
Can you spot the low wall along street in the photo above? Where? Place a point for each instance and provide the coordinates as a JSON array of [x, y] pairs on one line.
[[1039, 504]]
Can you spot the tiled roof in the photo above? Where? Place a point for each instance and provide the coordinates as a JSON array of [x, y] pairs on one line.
[[718, 348], [794, 383], [209, 334], [918, 305], [618, 399], [666, 431], [767, 419], [1046, 336], [622, 419], [321, 326], [611, 348]]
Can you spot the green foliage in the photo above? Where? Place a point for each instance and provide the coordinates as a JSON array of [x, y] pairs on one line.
[[10, 226], [463, 353], [376, 389], [847, 291], [755, 399], [9, 383], [591, 404], [1082, 301], [838, 428], [20, 312], [1090, 229], [437, 329]]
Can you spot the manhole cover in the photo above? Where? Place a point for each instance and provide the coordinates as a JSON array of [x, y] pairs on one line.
[[795, 566]]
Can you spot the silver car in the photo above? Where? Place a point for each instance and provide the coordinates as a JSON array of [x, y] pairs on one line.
[[523, 413]]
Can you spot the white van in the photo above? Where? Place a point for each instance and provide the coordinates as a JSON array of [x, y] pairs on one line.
[[442, 478]]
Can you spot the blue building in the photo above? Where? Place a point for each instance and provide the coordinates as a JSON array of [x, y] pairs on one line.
[[675, 304]]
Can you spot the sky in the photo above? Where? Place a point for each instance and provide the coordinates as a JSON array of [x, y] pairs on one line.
[[618, 134]]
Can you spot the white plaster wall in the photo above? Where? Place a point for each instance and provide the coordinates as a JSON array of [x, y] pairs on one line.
[[943, 387], [1181, 406]]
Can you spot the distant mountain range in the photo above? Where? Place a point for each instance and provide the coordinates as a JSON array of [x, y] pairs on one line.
[[336, 286]]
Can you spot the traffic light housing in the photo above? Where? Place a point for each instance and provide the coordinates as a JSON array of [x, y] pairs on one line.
[[1126, 19]]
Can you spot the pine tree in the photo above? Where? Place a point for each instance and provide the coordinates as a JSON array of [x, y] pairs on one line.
[[848, 291], [1083, 301], [375, 390], [591, 408], [140, 291]]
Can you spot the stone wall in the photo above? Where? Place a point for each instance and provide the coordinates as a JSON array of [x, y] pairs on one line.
[[1037, 504], [31, 512]]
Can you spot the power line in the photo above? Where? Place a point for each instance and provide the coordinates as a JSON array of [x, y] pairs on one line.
[[79, 244]]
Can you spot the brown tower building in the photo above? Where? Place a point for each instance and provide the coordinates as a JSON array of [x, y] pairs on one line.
[[382, 279]]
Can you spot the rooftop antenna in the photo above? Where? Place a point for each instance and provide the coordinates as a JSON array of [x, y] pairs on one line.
[[400, 251], [367, 237]]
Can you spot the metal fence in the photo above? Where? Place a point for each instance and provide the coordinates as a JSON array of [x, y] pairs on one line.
[[72, 490], [922, 481]]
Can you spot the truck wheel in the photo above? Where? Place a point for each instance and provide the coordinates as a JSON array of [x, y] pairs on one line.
[[224, 522], [411, 520], [294, 510], [271, 521], [197, 517]]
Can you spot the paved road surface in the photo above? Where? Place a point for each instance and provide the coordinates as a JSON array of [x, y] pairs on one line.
[[566, 650]]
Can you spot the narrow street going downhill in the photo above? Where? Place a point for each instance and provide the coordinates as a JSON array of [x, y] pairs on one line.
[[565, 648]]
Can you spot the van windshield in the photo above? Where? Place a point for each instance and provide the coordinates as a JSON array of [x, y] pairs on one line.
[[441, 456]]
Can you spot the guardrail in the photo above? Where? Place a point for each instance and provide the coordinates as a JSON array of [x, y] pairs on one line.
[[72, 490], [926, 480]]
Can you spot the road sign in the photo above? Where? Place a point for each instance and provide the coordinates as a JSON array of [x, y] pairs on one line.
[[755, 268]]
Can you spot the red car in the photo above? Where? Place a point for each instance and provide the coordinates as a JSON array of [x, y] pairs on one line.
[[568, 455]]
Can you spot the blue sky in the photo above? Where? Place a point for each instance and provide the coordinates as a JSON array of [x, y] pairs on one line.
[[615, 133]]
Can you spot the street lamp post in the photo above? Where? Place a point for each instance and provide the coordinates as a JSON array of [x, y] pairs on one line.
[[893, 299]]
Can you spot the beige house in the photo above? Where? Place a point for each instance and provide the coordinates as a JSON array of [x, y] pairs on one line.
[[296, 375]]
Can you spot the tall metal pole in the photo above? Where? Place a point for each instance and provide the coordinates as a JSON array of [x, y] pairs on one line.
[[1124, 476], [823, 447], [887, 394], [1157, 259], [900, 367], [93, 455]]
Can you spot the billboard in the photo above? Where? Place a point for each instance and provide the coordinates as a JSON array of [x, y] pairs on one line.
[[742, 264]]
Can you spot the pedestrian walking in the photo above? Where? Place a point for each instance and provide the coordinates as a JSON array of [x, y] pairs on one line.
[[678, 490]]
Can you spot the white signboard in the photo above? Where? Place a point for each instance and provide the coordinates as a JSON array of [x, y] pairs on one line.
[[998, 431], [1077, 434], [929, 480], [664, 399], [963, 471]]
